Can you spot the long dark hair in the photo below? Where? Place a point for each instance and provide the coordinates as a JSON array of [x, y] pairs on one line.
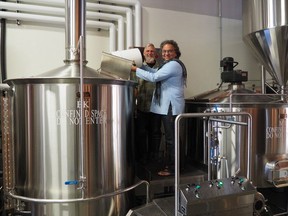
[[174, 44]]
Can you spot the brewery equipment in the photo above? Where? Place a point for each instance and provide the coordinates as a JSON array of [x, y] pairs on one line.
[[67, 143], [223, 147], [228, 143], [264, 27], [220, 197], [215, 196]]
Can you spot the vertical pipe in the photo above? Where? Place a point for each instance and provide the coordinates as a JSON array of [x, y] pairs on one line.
[[138, 24], [75, 41], [204, 141], [82, 116], [249, 149], [220, 28], [3, 50], [75, 27], [209, 152], [263, 80], [7, 145], [177, 162], [220, 36]]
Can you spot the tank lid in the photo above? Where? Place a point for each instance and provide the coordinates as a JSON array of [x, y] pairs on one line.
[[72, 71], [238, 93], [70, 74]]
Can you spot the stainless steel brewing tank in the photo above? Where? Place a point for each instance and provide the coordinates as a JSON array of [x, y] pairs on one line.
[[269, 134], [265, 27], [46, 150]]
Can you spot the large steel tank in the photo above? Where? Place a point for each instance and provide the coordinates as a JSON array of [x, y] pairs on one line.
[[229, 150], [265, 28], [46, 143], [67, 140]]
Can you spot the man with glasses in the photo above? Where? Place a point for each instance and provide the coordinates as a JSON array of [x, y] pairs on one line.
[[168, 100]]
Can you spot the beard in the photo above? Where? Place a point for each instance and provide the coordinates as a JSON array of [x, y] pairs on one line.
[[149, 59]]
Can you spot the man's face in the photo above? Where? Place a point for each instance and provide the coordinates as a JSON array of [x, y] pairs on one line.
[[150, 54]]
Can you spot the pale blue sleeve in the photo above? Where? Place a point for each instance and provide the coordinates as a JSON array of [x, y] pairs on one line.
[[168, 70]]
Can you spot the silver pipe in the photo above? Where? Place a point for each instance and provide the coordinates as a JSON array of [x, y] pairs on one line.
[[228, 121], [4, 86], [220, 28], [263, 79], [223, 127], [249, 146], [52, 7], [60, 21], [177, 163], [32, 8], [32, 17], [282, 93], [50, 2], [75, 27], [209, 152], [204, 142], [177, 146], [36, 200], [52, 20], [82, 151], [60, 12], [249, 125]]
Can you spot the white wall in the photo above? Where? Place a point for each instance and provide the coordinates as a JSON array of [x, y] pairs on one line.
[[33, 50], [199, 39]]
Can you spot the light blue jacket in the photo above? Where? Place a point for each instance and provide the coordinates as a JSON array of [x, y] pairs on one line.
[[172, 87]]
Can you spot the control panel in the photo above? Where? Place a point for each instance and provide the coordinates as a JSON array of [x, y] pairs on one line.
[[222, 196]]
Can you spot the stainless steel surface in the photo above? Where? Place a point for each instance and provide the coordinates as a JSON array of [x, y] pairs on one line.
[[276, 172], [218, 197], [226, 200], [213, 117], [64, 163], [158, 207], [75, 19], [265, 31], [46, 115], [12, 194], [269, 140], [116, 67]]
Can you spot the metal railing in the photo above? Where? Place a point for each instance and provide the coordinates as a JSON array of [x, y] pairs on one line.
[[212, 117]]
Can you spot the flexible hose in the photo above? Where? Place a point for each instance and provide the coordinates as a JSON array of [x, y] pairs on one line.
[[3, 50]]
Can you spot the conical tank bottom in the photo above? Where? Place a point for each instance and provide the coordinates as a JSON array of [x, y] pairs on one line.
[[270, 47]]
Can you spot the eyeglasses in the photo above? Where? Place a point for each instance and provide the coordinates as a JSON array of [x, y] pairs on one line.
[[167, 51]]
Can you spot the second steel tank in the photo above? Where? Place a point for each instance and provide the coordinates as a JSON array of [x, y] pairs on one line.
[[229, 150]]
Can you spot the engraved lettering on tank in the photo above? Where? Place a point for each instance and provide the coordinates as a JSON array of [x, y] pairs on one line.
[[273, 132], [73, 116]]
